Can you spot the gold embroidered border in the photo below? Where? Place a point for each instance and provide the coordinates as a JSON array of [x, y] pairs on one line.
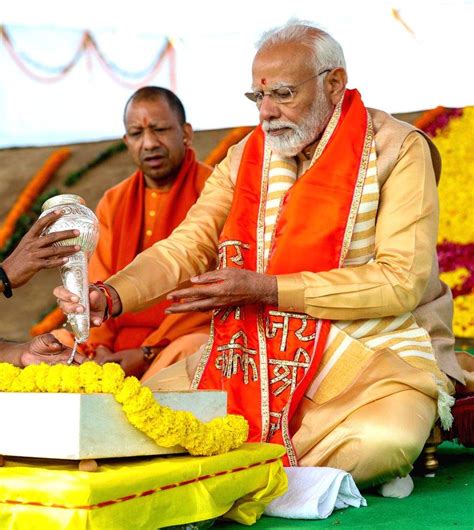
[[262, 345], [204, 358], [364, 164], [290, 450], [264, 390], [261, 210], [328, 132]]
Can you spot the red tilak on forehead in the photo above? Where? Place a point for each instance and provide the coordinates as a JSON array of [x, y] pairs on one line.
[[263, 81]]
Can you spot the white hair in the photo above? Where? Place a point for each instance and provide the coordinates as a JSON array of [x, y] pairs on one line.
[[327, 52]]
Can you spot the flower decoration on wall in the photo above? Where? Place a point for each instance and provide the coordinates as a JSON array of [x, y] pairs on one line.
[[452, 132]]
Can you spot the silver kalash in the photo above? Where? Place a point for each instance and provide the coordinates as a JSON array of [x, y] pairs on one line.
[[76, 216]]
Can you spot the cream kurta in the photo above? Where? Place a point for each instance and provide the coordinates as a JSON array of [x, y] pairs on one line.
[[394, 283], [372, 424]]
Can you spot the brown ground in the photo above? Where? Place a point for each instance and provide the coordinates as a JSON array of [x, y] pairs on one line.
[[17, 166]]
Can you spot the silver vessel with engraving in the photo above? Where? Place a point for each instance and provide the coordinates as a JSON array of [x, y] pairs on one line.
[[74, 273]]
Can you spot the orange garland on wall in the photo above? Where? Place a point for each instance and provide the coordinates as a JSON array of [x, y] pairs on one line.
[[31, 192], [428, 117]]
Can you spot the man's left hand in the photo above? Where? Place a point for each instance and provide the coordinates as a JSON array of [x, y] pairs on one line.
[[47, 349], [224, 288]]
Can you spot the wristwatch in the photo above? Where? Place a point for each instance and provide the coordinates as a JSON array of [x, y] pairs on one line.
[[149, 353], [7, 288]]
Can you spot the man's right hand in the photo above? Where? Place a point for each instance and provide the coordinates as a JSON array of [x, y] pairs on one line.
[[69, 303], [35, 252]]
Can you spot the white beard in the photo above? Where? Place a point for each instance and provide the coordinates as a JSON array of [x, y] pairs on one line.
[[300, 135]]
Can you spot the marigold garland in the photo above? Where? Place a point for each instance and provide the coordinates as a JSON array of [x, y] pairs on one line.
[[31, 192], [164, 425]]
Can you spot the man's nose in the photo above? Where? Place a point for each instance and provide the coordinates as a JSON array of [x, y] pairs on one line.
[[150, 139], [269, 110]]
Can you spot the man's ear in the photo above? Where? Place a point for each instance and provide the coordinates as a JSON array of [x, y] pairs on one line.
[[188, 134], [335, 84]]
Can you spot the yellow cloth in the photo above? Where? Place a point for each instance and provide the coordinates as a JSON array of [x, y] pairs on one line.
[[98, 501]]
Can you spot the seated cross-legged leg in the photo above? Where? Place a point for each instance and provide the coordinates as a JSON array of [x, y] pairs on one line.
[[380, 441], [375, 428]]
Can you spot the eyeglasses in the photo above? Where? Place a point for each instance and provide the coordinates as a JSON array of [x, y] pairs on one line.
[[282, 94]]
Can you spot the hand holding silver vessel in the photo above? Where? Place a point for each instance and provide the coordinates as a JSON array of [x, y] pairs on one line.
[[74, 273]]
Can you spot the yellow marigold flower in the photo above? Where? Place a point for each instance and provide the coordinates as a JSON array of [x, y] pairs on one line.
[[456, 146], [130, 388], [8, 373], [143, 401], [25, 382], [463, 322], [41, 376], [54, 378], [112, 377], [90, 374], [455, 278], [71, 381]]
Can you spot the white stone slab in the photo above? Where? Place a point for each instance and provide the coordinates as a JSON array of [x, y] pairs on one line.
[[82, 426]]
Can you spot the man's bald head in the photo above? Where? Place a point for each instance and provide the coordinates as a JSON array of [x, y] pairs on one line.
[[153, 93], [157, 134]]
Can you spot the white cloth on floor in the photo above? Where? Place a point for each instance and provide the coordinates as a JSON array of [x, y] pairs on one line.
[[314, 492]]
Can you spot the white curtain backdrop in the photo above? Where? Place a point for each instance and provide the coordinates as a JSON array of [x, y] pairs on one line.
[[403, 55]]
